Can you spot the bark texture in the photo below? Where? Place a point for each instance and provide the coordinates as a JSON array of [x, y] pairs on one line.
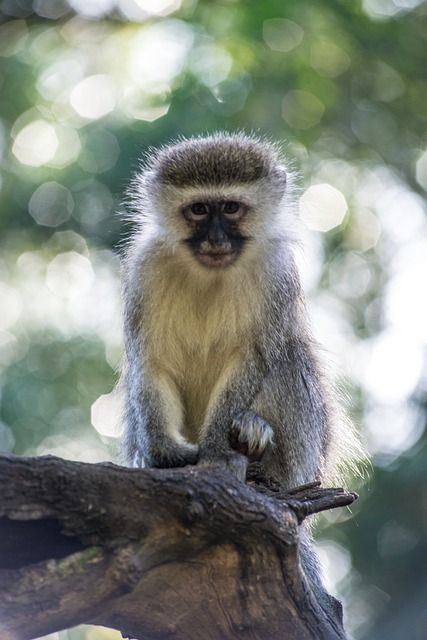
[[189, 553]]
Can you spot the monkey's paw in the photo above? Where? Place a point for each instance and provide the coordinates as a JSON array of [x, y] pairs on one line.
[[250, 435], [169, 453]]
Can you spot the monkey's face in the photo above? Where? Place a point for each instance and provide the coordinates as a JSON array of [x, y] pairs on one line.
[[221, 200], [216, 239]]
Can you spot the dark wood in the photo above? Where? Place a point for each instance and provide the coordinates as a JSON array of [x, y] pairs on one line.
[[185, 553]]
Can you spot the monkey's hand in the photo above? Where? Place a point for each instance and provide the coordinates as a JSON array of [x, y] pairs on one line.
[[250, 435], [165, 453]]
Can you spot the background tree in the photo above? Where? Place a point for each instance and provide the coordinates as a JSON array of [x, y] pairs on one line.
[[86, 87]]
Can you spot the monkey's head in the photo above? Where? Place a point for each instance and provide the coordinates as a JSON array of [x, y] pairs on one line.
[[214, 197]]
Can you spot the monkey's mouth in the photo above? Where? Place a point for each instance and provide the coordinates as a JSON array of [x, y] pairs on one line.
[[216, 258]]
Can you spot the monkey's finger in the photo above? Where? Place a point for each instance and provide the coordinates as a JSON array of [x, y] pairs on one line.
[[250, 435]]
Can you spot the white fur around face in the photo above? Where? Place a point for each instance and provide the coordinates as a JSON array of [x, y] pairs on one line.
[[271, 213]]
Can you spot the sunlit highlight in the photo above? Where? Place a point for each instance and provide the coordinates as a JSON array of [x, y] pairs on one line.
[[36, 144], [92, 8], [157, 54], [107, 414], [139, 9], [94, 96], [323, 207], [69, 275], [393, 368], [11, 306], [336, 563], [392, 429], [421, 170]]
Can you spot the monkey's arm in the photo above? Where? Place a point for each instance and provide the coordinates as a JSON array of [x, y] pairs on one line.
[[230, 421], [279, 407], [153, 407], [153, 418]]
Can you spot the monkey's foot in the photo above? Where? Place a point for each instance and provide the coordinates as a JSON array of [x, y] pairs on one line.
[[250, 435]]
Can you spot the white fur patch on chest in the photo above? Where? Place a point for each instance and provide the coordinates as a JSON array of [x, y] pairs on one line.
[[197, 336]]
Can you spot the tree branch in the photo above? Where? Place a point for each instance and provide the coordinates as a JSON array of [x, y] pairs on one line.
[[182, 553]]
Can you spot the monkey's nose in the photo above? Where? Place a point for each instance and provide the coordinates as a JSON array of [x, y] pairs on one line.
[[216, 235], [219, 247]]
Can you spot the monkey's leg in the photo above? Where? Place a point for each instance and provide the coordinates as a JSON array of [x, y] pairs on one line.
[[250, 435]]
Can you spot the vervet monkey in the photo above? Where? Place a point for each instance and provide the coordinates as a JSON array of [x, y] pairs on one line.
[[219, 351]]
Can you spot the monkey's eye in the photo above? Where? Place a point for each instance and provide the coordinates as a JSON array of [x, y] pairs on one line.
[[199, 209], [230, 207]]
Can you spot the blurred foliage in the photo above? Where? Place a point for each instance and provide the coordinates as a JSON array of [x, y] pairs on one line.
[[86, 87]]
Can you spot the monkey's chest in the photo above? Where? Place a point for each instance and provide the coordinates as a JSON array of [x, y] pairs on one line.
[[200, 372], [198, 357], [199, 341]]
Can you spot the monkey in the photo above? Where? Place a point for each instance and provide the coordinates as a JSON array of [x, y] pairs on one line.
[[219, 352]]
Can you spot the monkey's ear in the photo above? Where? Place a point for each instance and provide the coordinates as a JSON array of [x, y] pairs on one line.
[[280, 178]]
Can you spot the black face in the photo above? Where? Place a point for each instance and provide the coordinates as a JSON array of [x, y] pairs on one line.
[[216, 239]]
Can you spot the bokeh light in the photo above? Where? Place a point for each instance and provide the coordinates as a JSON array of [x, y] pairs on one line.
[[302, 109], [86, 88], [281, 34], [36, 143], [94, 97], [51, 204], [323, 207]]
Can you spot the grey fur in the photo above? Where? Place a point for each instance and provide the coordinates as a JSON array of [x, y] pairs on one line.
[[231, 159], [208, 348]]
